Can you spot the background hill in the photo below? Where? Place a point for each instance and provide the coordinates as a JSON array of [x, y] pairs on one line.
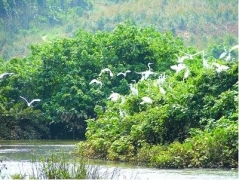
[[198, 23]]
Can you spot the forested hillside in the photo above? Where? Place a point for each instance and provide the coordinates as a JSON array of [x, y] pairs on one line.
[[198, 23]]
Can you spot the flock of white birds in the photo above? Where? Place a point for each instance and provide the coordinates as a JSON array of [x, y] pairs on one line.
[[134, 91], [226, 55]]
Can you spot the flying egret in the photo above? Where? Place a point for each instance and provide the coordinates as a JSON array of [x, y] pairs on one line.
[[96, 81], [134, 90], [30, 103], [145, 74], [189, 56], [234, 47], [223, 54], [181, 59], [5, 74], [220, 67], [114, 96], [147, 100], [178, 67], [123, 73], [106, 70]]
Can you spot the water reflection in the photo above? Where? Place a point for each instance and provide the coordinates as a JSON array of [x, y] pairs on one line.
[[27, 150]]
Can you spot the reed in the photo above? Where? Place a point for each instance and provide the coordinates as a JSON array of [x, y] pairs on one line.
[[60, 167]]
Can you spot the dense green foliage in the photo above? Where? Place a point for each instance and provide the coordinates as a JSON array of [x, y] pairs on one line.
[[205, 101], [198, 118], [192, 117], [59, 74]]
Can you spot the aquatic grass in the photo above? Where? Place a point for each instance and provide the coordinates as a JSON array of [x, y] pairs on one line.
[[60, 167]]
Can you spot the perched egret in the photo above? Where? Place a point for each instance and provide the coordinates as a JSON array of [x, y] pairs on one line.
[[5, 74], [161, 78], [114, 96], [147, 100], [228, 58], [223, 54], [161, 89], [106, 70], [122, 113], [220, 67], [30, 103], [149, 66], [96, 81], [204, 61], [123, 73], [178, 67], [134, 90], [186, 74]]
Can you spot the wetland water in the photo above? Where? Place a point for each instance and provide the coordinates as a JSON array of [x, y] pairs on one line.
[[17, 157]]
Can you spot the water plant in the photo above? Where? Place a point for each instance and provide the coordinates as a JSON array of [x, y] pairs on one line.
[[61, 167]]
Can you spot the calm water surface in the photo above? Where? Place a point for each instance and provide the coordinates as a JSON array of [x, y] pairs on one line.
[[17, 157]]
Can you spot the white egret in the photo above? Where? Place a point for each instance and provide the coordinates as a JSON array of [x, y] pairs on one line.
[[234, 47], [134, 90], [204, 61], [30, 103], [96, 81], [161, 78], [122, 113], [223, 54], [178, 67], [161, 89], [186, 74], [181, 59], [147, 100], [123, 73], [149, 66], [205, 64], [145, 74], [106, 70], [228, 58], [220, 67], [189, 56], [5, 74], [44, 38], [114, 96]]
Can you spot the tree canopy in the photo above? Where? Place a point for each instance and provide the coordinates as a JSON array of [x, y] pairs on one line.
[[196, 102]]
